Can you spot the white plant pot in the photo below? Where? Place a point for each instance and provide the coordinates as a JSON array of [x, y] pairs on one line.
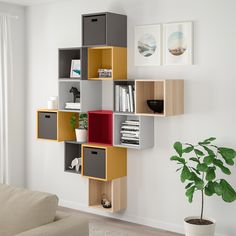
[[81, 135], [199, 230]]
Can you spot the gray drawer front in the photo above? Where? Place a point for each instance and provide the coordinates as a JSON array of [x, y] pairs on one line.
[[94, 163], [94, 30], [47, 125]]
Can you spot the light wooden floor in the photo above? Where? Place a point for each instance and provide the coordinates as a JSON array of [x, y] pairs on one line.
[[99, 225]]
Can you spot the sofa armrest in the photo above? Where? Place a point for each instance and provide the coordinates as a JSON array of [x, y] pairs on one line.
[[68, 226]]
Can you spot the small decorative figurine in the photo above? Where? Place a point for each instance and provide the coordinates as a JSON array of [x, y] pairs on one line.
[[76, 163], [105, 203], [76, 93]]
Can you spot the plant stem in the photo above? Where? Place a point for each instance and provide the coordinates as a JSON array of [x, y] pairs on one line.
[[202, 204]]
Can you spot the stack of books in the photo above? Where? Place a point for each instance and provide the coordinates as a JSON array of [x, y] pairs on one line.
[[130, 133], [124, 98], [104, 73], [73, 106]]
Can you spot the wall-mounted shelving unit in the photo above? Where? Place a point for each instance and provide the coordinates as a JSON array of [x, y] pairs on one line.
[[115, 190], [54, 125], [104, 28], [90, 94], [171, 91], [65, 56], [100, 130], [129, 128], [103, 162], [114, 58]]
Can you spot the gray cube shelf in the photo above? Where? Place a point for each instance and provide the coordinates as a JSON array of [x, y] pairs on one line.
[[146, 131], [66, 55], [90, 94], [104, 28]]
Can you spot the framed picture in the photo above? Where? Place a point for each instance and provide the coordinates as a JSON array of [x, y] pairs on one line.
[[178, 43], [75, 71], [148, 45]]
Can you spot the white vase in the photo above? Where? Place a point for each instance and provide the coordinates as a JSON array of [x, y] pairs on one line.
[[81, 135], [199, 230]]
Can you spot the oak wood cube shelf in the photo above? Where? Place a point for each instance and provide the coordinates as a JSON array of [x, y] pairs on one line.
[[145, 132], [54, 125], [72, 151], [100, 127], [171, 91], [114, 58], [103, 162], [115, 191], [65, 57]]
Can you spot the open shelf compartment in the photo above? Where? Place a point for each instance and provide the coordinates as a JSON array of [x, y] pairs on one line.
[[66, 55], [100, 127], [139, 127], [170, 91], [115, 191], [114, 58]]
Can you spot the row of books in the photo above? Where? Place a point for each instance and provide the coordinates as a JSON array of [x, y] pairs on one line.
[[130, 132], [73, 106], [124, 98]]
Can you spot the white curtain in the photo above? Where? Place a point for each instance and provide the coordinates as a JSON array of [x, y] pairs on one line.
[[5, 83]]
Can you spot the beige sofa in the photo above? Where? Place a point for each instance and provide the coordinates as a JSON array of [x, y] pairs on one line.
[[31, 213]]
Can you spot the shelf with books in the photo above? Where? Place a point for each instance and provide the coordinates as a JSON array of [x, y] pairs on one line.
[[132, 131], [124, 100], [80, 95], [69, 58]]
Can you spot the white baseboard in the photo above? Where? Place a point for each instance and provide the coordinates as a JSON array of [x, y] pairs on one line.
[[129, 218]]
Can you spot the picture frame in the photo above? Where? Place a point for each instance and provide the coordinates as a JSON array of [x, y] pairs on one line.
[[178, 43], [148, 45], [75, 71]]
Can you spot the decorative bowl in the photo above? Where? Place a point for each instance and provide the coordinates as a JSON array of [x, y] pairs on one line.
[[157, 106]]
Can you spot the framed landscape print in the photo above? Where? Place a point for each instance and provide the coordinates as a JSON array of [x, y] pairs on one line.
[[147, 45], [178, 43]]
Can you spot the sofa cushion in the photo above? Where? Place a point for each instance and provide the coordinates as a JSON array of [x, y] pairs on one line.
[[21, 209]]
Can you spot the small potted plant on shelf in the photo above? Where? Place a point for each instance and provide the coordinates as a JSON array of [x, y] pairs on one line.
[[198, 167], [80, 125]]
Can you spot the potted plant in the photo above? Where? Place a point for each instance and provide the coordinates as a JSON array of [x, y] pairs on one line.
[[80, 125], [199, 166]]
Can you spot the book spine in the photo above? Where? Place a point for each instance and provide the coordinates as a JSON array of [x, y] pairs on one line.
[[131, 98], [117, 97]]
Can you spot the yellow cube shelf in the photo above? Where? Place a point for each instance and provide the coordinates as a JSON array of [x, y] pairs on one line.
[[54, 125], [103, 162], [114, 58]]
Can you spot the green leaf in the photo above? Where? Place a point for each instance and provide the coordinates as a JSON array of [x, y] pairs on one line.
[[178, 148], [196, 171], [210, 174], [208, 159], [202, 167], [209, 189], [188, 149], [189, 185], [218, 162], [194, 159], [189, 193], [198, 152], [228, 155], [228, 194], [179, 169], [185, 174], [225, 170], [199, 183], [210, 139], [218, 189], [179, 159], [209, 151]]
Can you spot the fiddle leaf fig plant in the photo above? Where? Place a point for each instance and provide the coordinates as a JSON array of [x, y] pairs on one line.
[[199, 164], [80, 121]]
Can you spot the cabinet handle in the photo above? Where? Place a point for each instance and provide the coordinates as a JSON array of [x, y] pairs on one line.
[[94, 152], [94, 20], [47, 116]]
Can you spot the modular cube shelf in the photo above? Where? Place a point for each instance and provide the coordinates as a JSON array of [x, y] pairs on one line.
[[100, 127], [103, 162], [145, 133], [115, 191], [114, 58], [90, 94], [72, 151], [54, 125], [65, 57], [104, 28], [171, 91]]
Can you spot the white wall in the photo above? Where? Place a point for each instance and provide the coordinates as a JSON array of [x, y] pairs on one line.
[[155, 194], [17, 90]]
